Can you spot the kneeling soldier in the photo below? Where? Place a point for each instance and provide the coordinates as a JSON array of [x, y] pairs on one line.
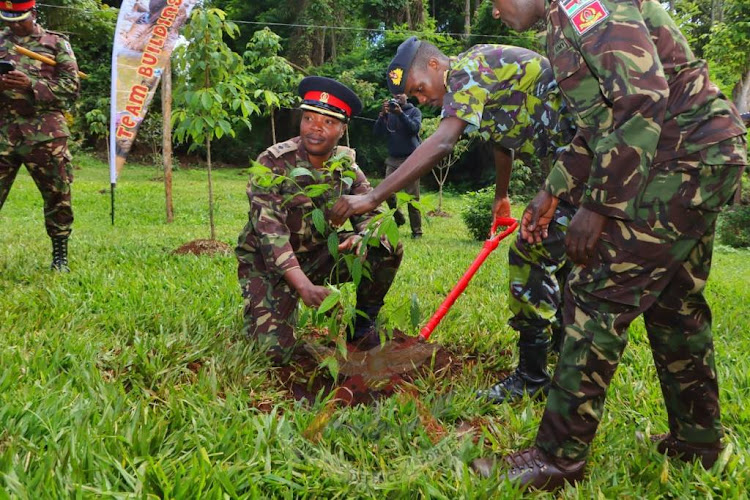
[[282, 254]]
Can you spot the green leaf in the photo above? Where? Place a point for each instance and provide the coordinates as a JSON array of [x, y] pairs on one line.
[[300, 172], [332, 364], [319, 220], [206, 101], [333, 244], [315, 190], [390, 229], [329, 302], [356, 271]]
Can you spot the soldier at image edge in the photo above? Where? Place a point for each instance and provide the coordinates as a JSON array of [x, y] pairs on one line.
[[665, 152], [33, 128]]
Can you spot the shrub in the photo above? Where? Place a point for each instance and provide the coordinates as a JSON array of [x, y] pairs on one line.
[[734, 227], [477, 212]]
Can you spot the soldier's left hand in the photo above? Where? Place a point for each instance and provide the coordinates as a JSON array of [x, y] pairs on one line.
[[353, 241], [583, 234], [16, 80], [397, 110], [349, 205]]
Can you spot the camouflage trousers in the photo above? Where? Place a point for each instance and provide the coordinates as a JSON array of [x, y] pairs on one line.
[[49, 165], [656, 265], [537, 275], [415, 216], [270, 310]]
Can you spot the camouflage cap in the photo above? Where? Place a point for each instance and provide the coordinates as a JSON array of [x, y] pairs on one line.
[[398, 70], [16, 10]]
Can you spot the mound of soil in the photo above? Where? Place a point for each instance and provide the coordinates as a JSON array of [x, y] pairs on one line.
[[204, 247], [366, 376]]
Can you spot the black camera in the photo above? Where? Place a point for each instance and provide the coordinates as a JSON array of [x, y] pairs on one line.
[[6, 67], [392, 104]]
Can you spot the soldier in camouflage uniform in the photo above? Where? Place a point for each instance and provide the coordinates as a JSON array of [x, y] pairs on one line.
[[509, 97], [283, 256], [33, 130], [657, 153]]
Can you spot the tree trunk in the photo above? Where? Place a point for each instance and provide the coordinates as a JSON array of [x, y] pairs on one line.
[[273, 125], [333, 45], [741, 94], [166, 110], [210, 191], [408, 15], [467, 19]]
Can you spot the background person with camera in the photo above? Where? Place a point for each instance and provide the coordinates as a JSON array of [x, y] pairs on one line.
[[33, 129], [400, 122]]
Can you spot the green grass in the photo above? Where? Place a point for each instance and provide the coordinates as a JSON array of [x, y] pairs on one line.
[[127, 379]]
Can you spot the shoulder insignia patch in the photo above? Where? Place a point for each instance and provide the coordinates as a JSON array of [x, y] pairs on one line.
[[282, 148], [588, 16]]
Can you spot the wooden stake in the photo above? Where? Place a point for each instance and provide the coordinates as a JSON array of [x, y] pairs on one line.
[[166, 111]]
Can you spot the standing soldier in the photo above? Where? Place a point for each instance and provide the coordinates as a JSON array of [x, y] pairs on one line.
[[283, 252], [665, 151], [507, 95], [33, 130]]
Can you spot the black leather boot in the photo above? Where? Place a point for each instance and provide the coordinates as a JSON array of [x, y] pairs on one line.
[[530, 377], [365, 335], [60, 254]]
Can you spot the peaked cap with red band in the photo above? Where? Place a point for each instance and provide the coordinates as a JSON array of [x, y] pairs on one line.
[[16, 10], [328, 97]]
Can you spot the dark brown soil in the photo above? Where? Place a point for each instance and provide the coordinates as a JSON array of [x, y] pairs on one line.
[[304, 379], [204, 247]]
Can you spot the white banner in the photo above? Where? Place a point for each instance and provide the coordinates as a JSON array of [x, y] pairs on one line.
[[146, 33]]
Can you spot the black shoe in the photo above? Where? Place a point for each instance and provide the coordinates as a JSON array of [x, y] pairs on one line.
[[399, 218], [514, 387], [529, 379], [60, 254], [708, 453]]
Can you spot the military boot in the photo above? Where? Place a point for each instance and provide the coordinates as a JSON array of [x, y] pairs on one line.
[[60, 254], [708, 453], [530, 377], [365, 335]]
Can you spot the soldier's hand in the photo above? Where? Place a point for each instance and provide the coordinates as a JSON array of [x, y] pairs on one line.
[[583, 234], [385, 107], [397, 109], [349, 205], [501, 207], [313, 295], [16, 80], [537, 217], [353, 241]]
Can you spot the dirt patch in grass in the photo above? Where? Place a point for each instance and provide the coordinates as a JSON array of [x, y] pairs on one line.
[[438, 213], [366, 377], [204, 247]]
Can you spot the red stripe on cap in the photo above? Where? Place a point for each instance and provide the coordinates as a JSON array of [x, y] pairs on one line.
[[315, 95], [19, 7]]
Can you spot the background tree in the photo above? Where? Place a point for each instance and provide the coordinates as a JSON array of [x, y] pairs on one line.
[[211, 96], [274, 76]]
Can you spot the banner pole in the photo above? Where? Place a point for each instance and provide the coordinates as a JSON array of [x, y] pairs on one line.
[[112, 202]]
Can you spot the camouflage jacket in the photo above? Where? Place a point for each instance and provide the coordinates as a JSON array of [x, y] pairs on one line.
[[638, 96], [37, 115], [280, 219], [510, 96]]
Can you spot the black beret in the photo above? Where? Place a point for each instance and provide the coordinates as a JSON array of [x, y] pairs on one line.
[[398, 70], [328, 97]]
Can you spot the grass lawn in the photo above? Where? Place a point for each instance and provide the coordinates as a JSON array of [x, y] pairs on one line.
[[127, 378]]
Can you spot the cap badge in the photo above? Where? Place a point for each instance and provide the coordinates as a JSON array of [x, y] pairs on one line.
[[324, 97], [396, 75]]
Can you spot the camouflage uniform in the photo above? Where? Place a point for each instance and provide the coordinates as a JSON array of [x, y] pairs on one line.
[[509, 95], [659, 151], [33, 129], [281, 236]]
